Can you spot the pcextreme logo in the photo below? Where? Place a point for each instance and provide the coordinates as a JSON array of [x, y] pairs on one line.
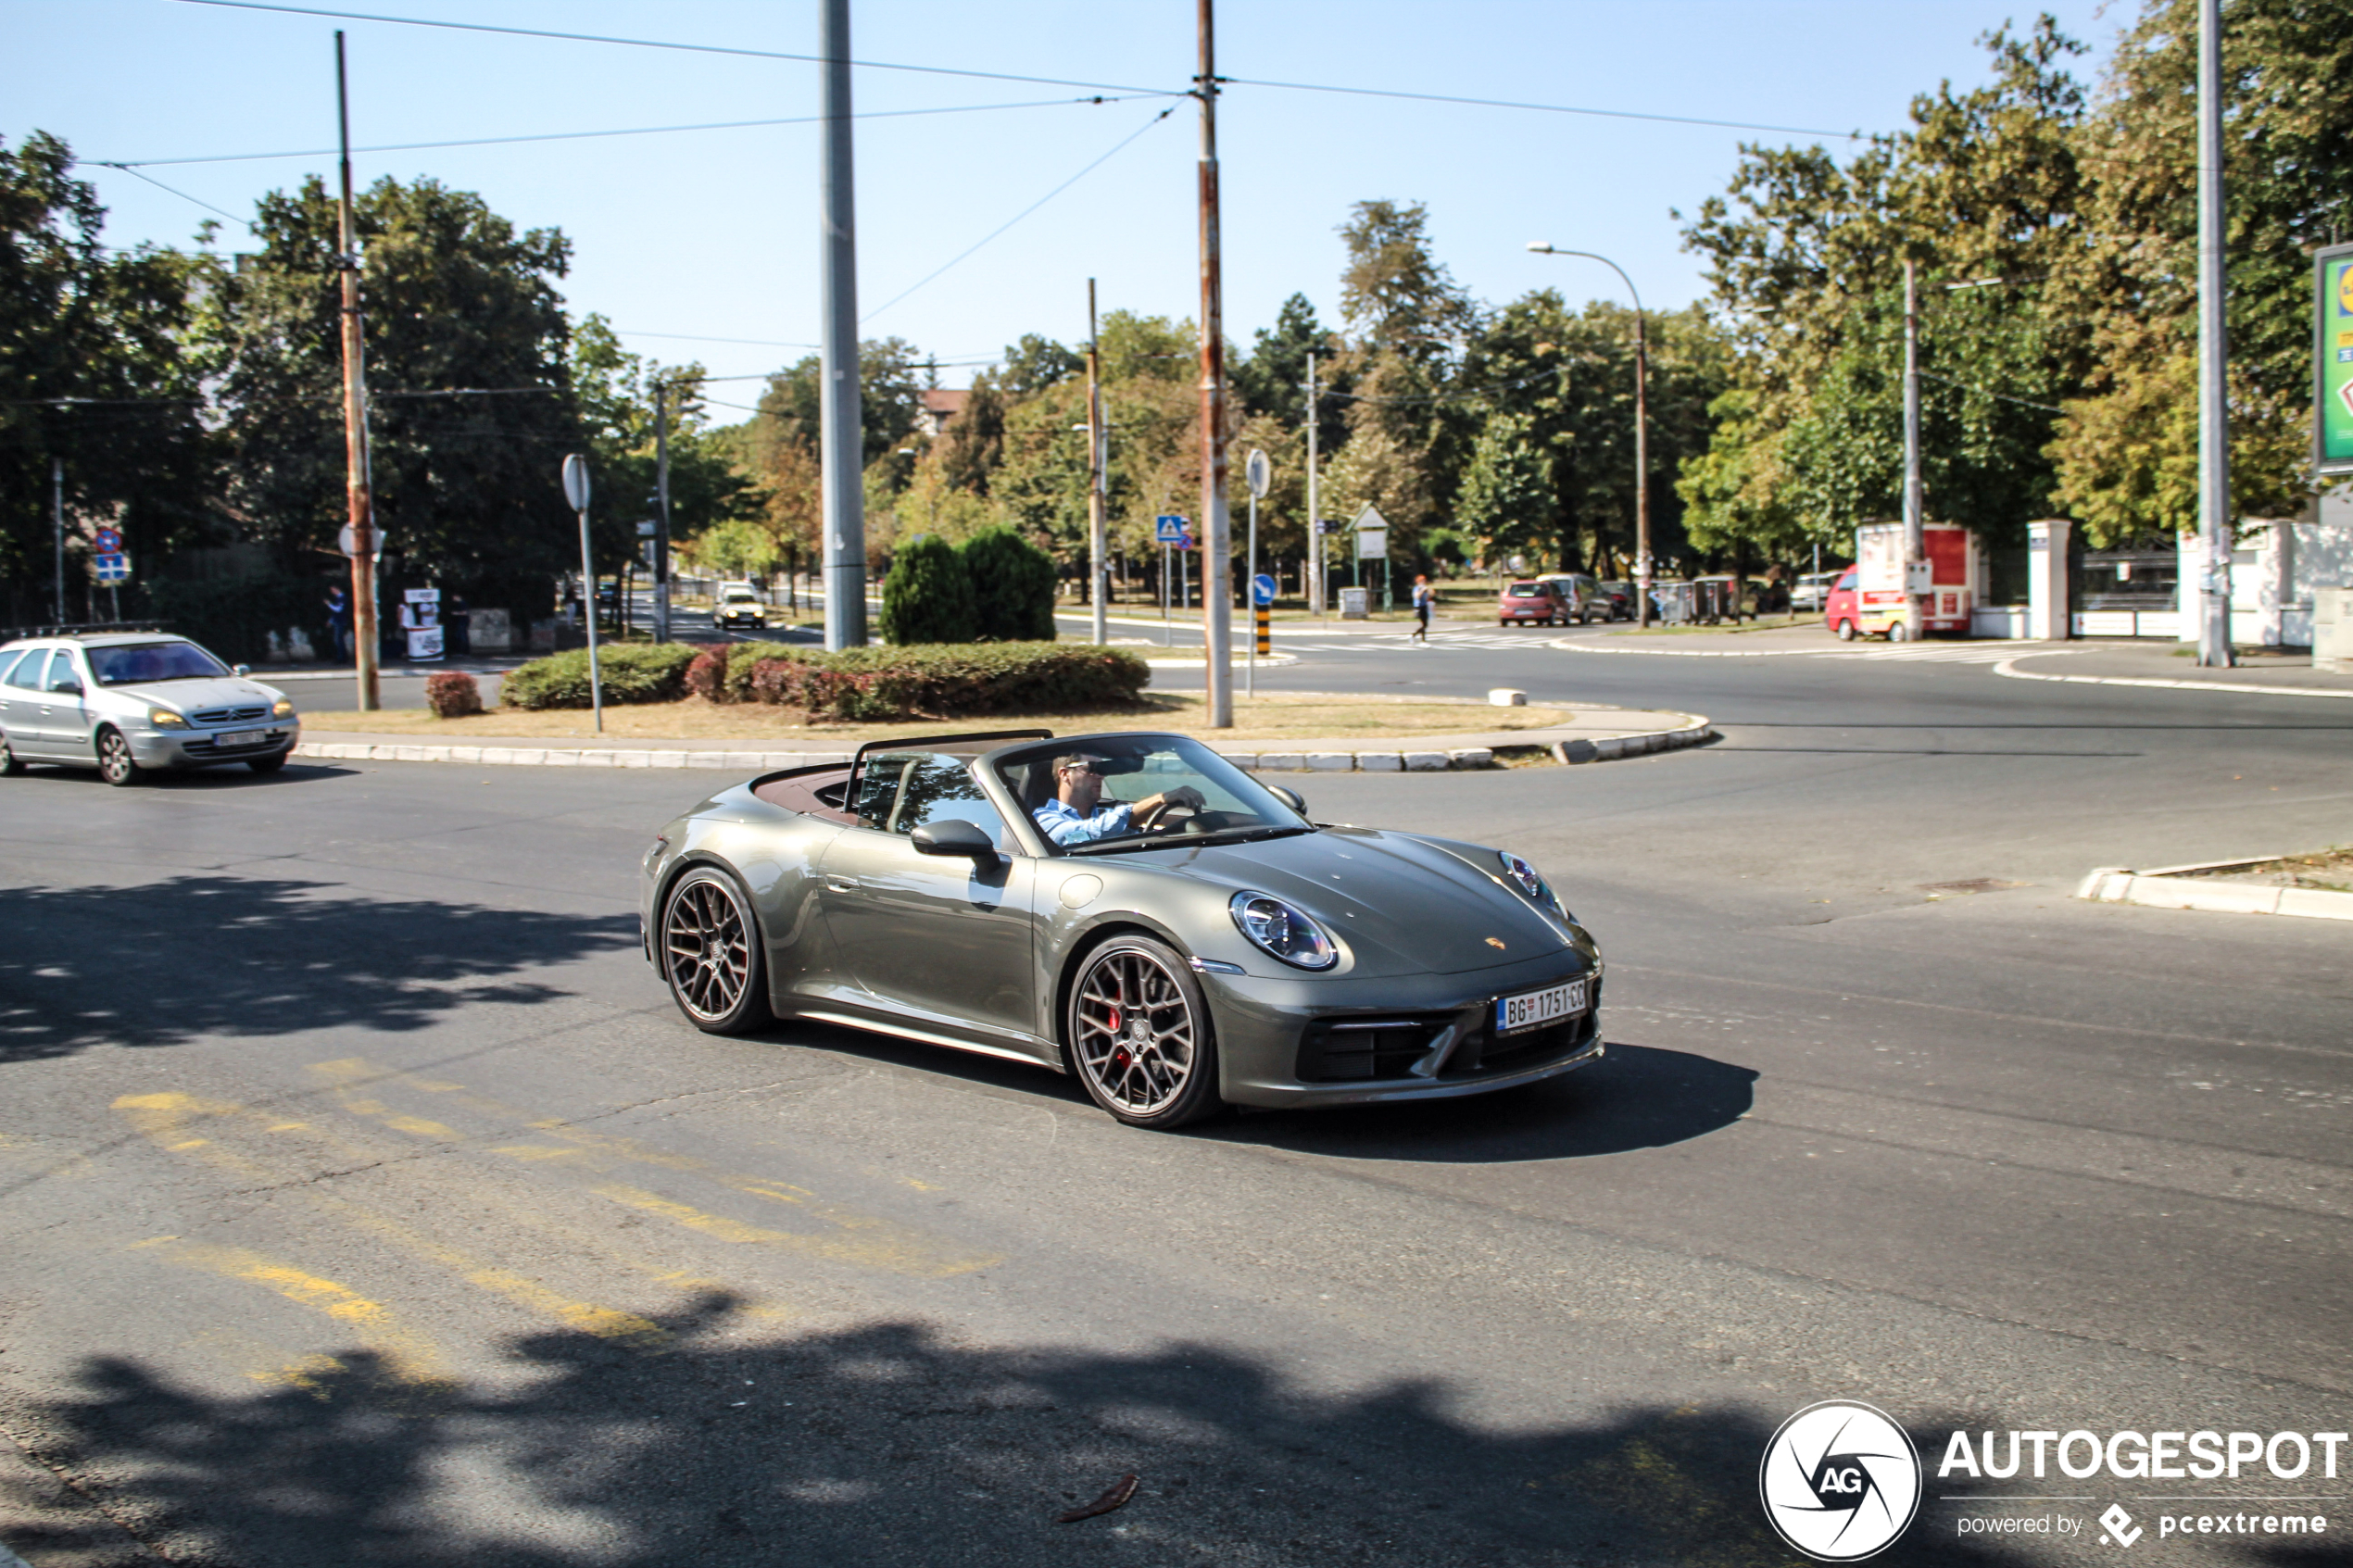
[[1840, 1481]]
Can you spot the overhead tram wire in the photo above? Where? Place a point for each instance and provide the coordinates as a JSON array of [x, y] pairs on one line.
[[688, 49], [1540, 108], [130, 166], [1116, 148], [126, 168]]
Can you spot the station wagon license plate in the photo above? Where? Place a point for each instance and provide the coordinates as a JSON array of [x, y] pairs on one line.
[[241, 737], [1533, 1009]]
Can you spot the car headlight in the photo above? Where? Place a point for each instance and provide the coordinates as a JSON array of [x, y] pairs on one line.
[[164, 719], [1524, 877], [282, 709], [1283, 931]]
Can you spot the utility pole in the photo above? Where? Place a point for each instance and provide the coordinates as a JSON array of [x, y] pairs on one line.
[[841, 438], [661, 512], [2213, 404], [354, 424], [1315, 562], [1217, 574], [1915, 522], [57, 507], [1097, 477]]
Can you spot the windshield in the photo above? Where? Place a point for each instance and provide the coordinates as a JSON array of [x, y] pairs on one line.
[[1102, 795], [136, 664]]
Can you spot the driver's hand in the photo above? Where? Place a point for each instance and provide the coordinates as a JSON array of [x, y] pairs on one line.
[[1187, 795]]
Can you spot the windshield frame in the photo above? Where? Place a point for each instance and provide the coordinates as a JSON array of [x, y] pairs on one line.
[[1274, 813]]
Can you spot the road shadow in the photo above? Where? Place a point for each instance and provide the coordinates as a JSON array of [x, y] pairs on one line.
[[885, 1443], [161, 963], [1636, 1096], [222, 776]]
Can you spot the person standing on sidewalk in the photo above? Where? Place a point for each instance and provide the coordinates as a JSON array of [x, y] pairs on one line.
[[339, 620], [1423, 595]]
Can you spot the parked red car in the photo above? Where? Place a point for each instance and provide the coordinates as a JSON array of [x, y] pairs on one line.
[[1842, 609], [1533, 599]]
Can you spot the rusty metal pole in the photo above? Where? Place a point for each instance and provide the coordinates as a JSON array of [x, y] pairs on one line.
[[354, 424], [1217, 544], [1098, 478], [1915, 515]]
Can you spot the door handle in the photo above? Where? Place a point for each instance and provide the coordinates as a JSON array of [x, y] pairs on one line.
[[841, 884]]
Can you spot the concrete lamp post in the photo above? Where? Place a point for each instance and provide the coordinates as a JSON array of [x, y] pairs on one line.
[[1642, 430]]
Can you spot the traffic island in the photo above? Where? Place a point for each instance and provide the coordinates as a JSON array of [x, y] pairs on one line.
[[2315, 886]]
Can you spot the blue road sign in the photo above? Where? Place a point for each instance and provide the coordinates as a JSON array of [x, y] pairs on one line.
[[1169, 529], [1262, 589], [106, 542], [114, 567], [1327, 525]]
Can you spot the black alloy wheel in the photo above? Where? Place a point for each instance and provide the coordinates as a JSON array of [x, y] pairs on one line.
[[710, 954], [116, 765], [1138, 1035]]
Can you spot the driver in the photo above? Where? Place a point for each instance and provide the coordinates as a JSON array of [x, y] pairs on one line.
[[1071, 818]]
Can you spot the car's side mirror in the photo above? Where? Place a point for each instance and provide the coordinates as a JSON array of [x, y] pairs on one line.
[[1290, 797], [69, 684], [954, 837], [241, 670]]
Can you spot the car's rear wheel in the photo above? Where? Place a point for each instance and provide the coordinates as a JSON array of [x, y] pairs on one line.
[[1846, 631], [116, 765], [1139, 1037], [710, 953], [1899, 632], [10, 763]]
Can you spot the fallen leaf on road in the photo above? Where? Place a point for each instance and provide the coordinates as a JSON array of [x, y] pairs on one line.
[[1116, 1497]]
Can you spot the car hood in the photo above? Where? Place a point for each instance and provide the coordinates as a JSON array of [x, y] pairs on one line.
[[187, 697], [1400, 904]]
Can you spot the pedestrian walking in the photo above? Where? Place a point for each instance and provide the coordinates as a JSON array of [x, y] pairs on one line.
[[1423, 597], [339, 621]]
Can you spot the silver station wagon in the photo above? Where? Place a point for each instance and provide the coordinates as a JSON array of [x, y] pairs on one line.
[[1130, 908], [133, 703]]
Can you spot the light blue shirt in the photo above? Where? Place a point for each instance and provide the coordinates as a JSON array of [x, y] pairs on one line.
[[1065, 825]]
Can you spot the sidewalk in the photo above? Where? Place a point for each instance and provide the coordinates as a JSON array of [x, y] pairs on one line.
[[1596, 735], [2128, 664]]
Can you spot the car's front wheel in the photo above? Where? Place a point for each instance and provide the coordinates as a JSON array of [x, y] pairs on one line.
[[710, 953], [116, 765], [1846, 631], [1139, 1037], [10, 763]]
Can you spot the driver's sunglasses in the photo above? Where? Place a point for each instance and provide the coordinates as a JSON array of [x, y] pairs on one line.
[[1083, 768]]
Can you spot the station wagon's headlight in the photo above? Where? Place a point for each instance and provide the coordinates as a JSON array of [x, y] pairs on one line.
[[164, 719], [1525, 877], [283, 707], [1283, 931]]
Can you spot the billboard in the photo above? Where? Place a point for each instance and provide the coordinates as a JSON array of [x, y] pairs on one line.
[[2332, 355]]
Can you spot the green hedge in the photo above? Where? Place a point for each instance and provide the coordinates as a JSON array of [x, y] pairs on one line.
[[628, 672], [937, 680], [927, 598], [1013, 587]]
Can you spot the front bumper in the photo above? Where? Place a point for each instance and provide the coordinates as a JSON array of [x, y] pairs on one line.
[[1265, 1025], [201, 748]]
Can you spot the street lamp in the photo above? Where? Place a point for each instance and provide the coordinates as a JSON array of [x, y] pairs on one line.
[[1641, 431]]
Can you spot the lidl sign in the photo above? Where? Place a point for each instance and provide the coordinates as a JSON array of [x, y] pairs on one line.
[[2332, 353]]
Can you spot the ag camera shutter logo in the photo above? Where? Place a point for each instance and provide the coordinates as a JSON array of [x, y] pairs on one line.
[[1840, 1481]]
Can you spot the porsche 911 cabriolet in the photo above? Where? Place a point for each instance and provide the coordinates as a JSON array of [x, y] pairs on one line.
[[1130, 908]]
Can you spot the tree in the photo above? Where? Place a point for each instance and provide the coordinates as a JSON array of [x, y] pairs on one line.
[[112, 330], [1273, 380], [929, 597], [471, 407], [1035, 363], [890, 397], [1508, 497], [614, 391]]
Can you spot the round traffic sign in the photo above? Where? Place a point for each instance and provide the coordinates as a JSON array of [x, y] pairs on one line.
[[106, 542], [1262, 589], [1261, 472], [576, 482]]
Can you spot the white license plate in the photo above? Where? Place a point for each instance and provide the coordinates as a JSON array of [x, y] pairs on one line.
[[1533, 1010], [242, 737]]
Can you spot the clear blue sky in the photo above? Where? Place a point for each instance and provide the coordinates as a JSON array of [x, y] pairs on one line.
[[714, 233]]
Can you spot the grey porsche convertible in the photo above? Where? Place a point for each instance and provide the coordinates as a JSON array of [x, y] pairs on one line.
[[1128, 908]]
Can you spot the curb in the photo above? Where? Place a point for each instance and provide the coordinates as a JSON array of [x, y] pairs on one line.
[[1572, 751], [2165, 890], [2009, 667]]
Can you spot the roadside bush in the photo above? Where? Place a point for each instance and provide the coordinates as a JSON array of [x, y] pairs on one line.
[[1013, 586], [452, 694], [707, 676], [928, 596], [631, 672], [881, 684]]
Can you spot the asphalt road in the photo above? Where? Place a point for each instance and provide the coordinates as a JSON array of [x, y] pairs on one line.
[[364, 1200]]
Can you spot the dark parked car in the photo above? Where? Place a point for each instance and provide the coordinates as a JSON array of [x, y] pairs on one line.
[[1130, 908]]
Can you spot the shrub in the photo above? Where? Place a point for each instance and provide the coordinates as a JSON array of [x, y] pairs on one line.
[[452, 694], [1013, 586], [887, 683], [707, 676], [630, 672], [929, 597]]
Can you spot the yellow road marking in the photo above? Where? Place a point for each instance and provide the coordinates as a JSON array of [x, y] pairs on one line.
[[891, 1248], [411, 1356]]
